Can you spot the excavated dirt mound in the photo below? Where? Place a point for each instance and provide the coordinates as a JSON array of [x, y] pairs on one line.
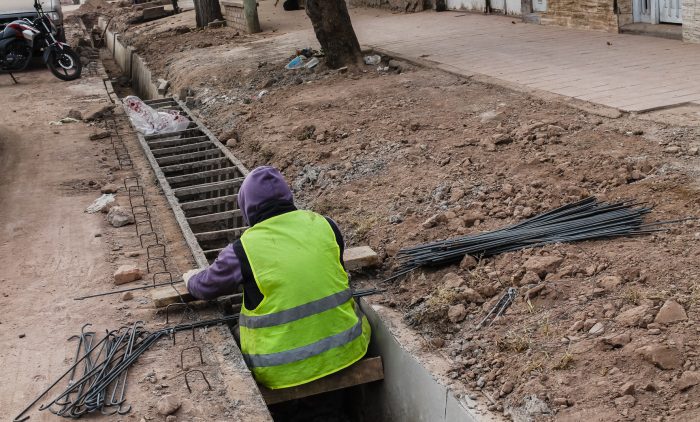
[[601, 330]]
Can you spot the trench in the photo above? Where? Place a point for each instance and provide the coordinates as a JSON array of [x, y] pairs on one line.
[[206, 209]]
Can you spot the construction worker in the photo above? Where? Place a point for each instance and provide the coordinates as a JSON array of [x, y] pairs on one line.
[[298, 321]]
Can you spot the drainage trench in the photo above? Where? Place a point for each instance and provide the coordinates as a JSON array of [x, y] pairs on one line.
[[200, 178]]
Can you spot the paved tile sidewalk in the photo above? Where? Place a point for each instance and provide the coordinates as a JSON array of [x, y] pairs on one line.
[[632, 73]]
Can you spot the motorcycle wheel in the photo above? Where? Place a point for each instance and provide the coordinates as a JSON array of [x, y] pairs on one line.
[[65, 64], [20, 53]]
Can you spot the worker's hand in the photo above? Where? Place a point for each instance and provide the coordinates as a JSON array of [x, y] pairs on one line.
[[188, 275]]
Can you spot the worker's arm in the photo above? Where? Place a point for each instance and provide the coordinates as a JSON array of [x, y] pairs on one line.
[[222, 277]]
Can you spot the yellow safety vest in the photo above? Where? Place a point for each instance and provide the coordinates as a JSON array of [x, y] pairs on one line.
[[308, 325]]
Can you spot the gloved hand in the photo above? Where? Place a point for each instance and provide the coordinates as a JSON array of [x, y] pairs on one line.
[[188, 275]]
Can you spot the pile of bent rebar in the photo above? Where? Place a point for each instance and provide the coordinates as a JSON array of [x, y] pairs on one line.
[[97, 380], [584, 220]]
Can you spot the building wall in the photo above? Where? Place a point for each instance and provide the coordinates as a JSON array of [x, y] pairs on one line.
[[691, 21], [232, 11], [398, 5], [585, 14]]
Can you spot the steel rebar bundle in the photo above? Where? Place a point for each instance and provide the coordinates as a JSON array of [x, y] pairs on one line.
[[587, 219], [97, 379]]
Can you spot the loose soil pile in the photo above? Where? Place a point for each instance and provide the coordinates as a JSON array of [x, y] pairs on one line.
[[600, 330]]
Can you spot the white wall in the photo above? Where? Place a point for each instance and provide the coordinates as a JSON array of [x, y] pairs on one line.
[[512, 6]]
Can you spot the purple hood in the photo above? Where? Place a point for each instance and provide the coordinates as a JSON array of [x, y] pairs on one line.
[[261, 187]]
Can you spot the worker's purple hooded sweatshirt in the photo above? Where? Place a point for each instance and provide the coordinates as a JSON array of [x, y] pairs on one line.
[[223, 277]]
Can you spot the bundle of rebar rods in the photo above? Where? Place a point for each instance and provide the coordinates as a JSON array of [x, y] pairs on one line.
[[587, 219], [97, 379]]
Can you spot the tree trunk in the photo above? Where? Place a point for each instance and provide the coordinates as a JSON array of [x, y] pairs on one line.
[[250, 9], [334, 31], [207, 11]]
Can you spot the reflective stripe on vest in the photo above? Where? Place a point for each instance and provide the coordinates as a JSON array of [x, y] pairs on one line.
[[296, 313], [313, 349]]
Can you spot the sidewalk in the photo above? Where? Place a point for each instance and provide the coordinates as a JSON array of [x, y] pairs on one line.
[[632, 73]]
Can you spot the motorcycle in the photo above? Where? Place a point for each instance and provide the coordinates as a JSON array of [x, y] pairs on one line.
[[17, 42]]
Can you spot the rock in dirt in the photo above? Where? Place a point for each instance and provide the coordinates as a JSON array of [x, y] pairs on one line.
[[542, 265], [75, 114], [507, 387], [492, 116], [468, 262], [168, 405], [533, 292], [457, 313], [126, 296], [453, 281], [560, 401], [632, 317], [589, 323], [530, 278], [597, 329], [625, 401], [577, 326], [120, 216], [132, 254], [664, 357], [109, 188], [127, 274], [471, 295], [610, 282], [434, 221], [627, 389], [616, 341], [471, 217], [99, 135], [688, 379], [98, 112], [671, 312], [173, 418]]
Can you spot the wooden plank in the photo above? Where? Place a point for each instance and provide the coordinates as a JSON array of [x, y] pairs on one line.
[[192, 126], [362, 372], [203, 175], [195, 165], [210, 153], [208, 187], [355, 259], [156, 145], [160, 152], [164, 296], [219, 234], [208, 218], [219, 200]]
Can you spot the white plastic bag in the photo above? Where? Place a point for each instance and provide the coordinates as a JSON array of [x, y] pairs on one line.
[[149, 121], [100, 203], [373, 60]]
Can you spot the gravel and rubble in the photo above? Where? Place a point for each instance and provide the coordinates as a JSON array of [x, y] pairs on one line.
[[600, 330]]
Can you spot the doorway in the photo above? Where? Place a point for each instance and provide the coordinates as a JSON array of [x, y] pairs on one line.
[[657, 11]]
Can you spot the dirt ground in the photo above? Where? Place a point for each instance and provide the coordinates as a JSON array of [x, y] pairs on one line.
[[52, 251], [383, 151]]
